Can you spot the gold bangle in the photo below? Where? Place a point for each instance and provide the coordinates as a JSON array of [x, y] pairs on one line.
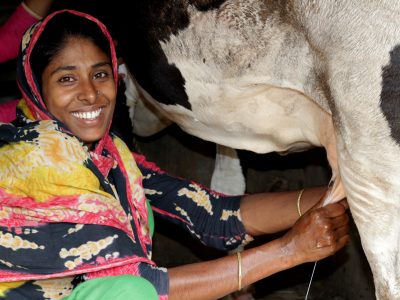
[[239, 262], [298, 202]]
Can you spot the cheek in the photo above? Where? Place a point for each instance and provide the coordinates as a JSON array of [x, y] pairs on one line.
[[56, 104], [46, 97]]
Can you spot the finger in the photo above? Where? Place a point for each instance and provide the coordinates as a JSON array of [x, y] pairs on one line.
[[327, 220], [333, 243], [342, 231], [334, 210], [332, 235], [328, 239], [343, 241], [344, 203], [322, 244], [340, 221]]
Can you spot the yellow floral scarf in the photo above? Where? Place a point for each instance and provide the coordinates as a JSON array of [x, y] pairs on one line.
[[65, 210]]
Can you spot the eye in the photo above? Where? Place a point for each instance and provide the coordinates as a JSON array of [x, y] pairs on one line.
[[66, 79], [101, 75]]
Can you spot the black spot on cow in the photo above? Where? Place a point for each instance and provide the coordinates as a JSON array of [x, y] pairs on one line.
[[205, 5], [156, 21], [390, 94]]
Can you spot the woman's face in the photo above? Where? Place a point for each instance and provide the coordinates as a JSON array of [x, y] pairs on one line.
[[79, 90]]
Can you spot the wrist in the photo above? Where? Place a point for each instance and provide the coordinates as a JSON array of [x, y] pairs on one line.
[[37, 9], [289, 254], [311, 198], [31, 12]]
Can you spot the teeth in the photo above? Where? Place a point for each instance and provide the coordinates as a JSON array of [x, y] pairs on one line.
[[90, 115]]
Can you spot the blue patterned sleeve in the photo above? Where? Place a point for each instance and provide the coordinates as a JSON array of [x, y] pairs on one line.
[[211, 217]]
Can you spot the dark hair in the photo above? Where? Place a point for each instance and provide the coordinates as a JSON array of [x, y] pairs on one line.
[[56, 34]]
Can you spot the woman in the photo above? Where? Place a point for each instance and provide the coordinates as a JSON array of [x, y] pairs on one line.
[[75, 222]]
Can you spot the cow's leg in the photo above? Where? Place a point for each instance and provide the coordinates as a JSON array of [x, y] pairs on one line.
[[227, 177], [372, 199], [369, 165]]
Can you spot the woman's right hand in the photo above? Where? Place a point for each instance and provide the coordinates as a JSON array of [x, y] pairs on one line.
[[319, 233]]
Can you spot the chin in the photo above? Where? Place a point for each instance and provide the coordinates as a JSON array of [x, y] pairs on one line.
[[92, 138]]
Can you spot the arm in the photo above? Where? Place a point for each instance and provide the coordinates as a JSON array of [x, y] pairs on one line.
[[37, 8], [320, 233], [12, 30], [210, 217], [280, 209]]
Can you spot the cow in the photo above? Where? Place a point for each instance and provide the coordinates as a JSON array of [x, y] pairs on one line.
[[283, 76]]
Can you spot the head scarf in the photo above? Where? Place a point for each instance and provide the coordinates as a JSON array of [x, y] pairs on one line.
[[66, 210]]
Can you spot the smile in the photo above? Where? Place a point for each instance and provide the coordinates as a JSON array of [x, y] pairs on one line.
[[89, 115]]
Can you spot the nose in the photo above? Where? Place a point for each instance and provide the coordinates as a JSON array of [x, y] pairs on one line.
[[88, 92]]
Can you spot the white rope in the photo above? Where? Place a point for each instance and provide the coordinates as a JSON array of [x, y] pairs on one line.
[[309, 285]]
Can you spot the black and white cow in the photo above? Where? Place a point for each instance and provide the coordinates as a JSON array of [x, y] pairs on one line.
[[280, 75]]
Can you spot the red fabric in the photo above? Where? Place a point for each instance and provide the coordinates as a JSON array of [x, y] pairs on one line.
[[8, 111], [12, 31]]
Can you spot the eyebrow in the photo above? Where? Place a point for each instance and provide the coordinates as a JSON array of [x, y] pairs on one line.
[[69, 68]]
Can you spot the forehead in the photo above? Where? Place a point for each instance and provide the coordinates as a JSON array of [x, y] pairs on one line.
[[78, 50]]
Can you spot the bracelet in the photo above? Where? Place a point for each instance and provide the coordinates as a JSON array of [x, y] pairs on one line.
[[298, 202], [239, 261]]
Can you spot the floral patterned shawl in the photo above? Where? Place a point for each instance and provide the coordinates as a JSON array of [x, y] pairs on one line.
[[65, 210]]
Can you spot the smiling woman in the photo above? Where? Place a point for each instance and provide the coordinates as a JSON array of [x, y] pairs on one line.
[[79, 89]]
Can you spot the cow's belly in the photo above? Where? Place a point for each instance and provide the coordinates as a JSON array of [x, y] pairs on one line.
[[259, 118]]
